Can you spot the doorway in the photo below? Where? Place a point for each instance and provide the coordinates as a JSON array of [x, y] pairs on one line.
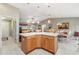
[[8, 29]]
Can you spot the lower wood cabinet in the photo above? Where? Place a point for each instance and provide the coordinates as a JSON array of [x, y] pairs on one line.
[[38, 41], [49, 43], [23, 44]]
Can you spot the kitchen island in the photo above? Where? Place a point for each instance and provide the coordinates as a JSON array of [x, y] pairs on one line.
[[37, 40]]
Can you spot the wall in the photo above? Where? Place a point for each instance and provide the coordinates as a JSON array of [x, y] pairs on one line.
[[5, 31], [0, 33], [7, 10], [73, 22]]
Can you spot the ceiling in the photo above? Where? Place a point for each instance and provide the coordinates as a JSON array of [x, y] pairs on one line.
[[41, 11]]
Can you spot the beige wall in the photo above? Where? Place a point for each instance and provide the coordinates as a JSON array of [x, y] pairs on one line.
[[5, 31], [0, 33], [8, 10], [73, 22]]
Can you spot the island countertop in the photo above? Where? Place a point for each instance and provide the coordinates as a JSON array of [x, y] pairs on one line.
[[34, 40], [39, 33]]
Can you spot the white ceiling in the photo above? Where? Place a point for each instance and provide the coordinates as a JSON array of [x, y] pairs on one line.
[[40, 11]]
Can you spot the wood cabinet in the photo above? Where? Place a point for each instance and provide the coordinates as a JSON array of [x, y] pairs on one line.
[[23, 44], [39, 41], [49, 43], [33, 42]]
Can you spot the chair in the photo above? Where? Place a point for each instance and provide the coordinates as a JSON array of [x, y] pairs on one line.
[[76, 34], [65, 35]]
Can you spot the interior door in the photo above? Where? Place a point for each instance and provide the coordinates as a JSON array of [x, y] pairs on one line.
[[5, 29]]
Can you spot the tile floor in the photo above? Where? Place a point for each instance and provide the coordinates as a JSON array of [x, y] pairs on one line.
[[9, 47], [65, 47]]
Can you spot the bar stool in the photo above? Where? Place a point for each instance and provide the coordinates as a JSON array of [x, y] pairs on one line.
[[77, 37]]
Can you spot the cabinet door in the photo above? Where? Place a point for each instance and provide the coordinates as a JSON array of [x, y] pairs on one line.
[[32, 43], [38, 41], [48, 43], [44, 42], [53, 44], [23, 44]]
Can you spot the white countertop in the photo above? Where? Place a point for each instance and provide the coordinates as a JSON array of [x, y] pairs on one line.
[[39, 33]]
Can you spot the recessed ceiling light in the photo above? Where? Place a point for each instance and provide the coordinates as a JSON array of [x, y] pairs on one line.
[[38, 6], [49, 6], [28, 3], [32, 18]]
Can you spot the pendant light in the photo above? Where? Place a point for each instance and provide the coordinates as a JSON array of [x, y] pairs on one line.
[[49, 21]]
